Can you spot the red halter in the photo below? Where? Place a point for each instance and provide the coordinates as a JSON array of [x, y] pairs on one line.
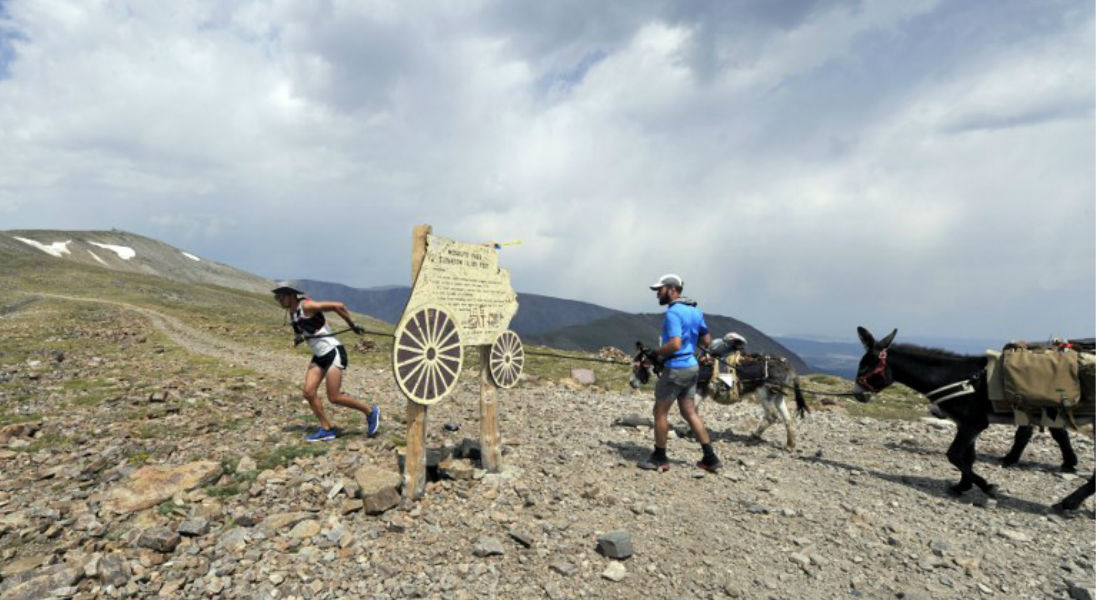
[[880, 369]]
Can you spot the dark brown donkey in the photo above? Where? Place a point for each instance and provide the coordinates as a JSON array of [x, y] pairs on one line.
[[960, 383]]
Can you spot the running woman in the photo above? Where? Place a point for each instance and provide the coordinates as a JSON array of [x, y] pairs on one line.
[[329, 357]]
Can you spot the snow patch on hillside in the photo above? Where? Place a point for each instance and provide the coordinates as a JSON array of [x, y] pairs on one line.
[[95, 256], [191, 256], [54, 249], [123, 252]]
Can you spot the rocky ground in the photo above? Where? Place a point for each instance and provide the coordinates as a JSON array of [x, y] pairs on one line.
[[142, 460]]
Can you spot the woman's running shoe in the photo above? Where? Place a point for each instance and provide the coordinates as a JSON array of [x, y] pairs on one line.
[[322, 435], [373, 419]]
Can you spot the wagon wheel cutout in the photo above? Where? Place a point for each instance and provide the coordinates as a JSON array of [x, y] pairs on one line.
[[427, 354], [506, 360]]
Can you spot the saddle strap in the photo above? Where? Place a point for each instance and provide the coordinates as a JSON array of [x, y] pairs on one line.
[[951, 390]]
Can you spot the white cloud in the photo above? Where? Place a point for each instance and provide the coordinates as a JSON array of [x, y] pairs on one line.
[[804, 168]]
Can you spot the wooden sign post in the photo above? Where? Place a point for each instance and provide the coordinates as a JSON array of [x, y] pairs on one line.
[[416, 414], [490, 434], [460, 297]]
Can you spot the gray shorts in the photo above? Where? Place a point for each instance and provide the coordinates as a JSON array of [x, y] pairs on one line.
[[676, 383]]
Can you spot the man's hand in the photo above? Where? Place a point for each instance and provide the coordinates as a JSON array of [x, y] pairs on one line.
[[358, 329], [298, 339], [654, 358]]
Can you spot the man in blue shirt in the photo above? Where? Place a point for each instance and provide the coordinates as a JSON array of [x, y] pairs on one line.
[[683, 330]]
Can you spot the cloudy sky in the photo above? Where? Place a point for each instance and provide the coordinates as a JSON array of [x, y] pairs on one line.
[[805, 166]]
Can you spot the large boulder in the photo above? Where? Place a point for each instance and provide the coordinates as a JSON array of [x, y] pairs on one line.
[[149, 486], [39, 583], [378, 488]]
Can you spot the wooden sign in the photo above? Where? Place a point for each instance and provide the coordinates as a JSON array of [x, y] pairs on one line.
[[466, 280], [460, 297]]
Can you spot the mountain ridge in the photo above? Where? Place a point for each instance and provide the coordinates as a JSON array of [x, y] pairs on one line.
[[130, 252]]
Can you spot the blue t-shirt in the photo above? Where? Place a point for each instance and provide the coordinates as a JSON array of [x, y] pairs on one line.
[[685, 322]]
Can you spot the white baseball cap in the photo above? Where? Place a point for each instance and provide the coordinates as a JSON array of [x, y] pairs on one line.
[[669, 279]]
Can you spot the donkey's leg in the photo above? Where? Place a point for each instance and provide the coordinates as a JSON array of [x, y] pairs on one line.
[[781, 404], [961, 453], [1023, 436], [1069, 457], [768, 418], [1074, 500], [971, 453], [956, 453]]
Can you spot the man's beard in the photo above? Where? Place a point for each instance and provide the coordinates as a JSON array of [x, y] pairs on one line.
[[664, 299]]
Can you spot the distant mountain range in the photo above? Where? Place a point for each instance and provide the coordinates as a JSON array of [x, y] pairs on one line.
[[555, 322], [834, 358], [537, 314]]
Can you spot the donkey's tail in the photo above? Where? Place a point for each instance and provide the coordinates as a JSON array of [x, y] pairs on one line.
[[799, 400]]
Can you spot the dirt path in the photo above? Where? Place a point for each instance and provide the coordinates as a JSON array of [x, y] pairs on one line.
[[276, 365]]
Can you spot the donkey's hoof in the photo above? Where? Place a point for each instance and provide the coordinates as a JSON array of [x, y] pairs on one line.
[[1064, 506], [990, 490], [1068, 468], [958, 489], [1007, 462]]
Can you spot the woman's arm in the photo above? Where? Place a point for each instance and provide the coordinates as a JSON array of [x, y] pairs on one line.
[[312, 307]]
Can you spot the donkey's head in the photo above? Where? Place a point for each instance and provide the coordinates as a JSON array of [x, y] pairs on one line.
[[644, 363], [873, 374]]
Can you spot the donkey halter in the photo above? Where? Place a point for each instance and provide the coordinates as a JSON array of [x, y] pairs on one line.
[[864, 381]]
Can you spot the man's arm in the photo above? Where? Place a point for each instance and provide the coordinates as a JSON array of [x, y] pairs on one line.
[[671, 347], [705, 343], [673, 328]]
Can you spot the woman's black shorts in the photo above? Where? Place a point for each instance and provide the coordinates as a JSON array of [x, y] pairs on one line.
[[337, 357]]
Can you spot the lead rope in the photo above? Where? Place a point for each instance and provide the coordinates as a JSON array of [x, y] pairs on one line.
[[610, 361]]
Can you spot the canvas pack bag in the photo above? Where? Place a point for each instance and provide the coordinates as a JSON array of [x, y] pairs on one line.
[[722, 386], [1040, 377], [1086, 374], [752, 372]]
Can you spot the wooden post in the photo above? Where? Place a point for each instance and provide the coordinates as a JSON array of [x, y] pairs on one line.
[[490, 433], [416, 414]]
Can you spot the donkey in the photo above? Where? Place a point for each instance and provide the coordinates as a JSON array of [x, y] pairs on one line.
[[769, 382], [957, 385]]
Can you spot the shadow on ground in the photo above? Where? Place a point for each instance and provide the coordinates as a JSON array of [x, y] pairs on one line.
[[938, 488]]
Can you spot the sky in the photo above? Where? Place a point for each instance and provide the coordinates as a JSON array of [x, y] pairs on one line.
[[805, 166]]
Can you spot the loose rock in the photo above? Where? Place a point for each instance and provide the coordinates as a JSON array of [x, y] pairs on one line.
[[488, 546], [161, 539], [615, 571], [616, 544]]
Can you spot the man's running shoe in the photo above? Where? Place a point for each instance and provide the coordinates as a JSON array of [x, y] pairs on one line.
[[709, 463], [373, 419], [322, 435], [654, 463]]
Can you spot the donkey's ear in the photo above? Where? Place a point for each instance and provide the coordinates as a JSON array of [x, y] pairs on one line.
[[866, 337], [886, 341]]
